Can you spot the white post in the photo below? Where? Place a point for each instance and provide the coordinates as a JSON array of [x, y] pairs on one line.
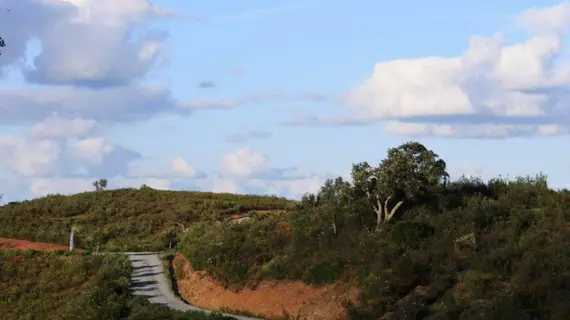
[[71, 245]]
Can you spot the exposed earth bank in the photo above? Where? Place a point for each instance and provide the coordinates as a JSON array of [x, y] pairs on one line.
[[15, 244], [270, 299]]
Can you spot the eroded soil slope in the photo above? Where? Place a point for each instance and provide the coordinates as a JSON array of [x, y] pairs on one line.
[[270, 299]]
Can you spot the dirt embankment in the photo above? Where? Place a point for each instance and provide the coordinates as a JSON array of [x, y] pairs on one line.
[[15, 244], [271, 299]]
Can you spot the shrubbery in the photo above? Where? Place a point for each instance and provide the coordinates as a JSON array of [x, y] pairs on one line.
[[464, 249], [124, 219], [64, 285]]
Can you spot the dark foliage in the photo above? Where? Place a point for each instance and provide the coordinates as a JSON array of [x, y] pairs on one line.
[[464, 249]]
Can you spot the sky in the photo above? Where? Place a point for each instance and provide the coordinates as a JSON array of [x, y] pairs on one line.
[[276, 97]]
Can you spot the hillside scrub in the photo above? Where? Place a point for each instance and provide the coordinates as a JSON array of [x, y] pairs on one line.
[[125, 219], [464, 249], [64, 285]]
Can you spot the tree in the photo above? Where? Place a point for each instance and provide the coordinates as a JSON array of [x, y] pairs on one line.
[[336, 195], [100, 184], [169, 239], [411, 172]]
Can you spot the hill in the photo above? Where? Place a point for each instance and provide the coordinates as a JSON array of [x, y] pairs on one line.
[[414, 243], [125, 219], [63, 285]]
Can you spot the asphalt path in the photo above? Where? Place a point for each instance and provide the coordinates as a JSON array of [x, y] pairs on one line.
[[149, 280]]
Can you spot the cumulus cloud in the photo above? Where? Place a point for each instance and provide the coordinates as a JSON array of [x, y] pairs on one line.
[[246, 163], [43, 186], [92, 149], [117, 104], [554, 19], [178, 169], [111, 52], [29, 157], [57, 127], [246, 170], [292, 189], [183, 169], [40, 157], [492, 79], [225, 186], [74, 92]]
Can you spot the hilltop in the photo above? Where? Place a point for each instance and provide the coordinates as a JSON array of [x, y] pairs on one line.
[[415, 244], [126, 219]]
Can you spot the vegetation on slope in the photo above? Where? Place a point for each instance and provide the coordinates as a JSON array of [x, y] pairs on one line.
[[124, 219], [417, 245], [63, 285]]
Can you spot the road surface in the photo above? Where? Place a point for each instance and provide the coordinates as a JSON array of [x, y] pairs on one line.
[[150, 281]]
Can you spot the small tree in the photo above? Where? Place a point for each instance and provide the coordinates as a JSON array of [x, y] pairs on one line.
[[100, 184], [169, 239]]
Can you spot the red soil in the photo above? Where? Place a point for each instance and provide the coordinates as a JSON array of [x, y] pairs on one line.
[[15, 244], [271, 299]]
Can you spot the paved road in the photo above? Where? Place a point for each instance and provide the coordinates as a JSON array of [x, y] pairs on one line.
[[150, 281]]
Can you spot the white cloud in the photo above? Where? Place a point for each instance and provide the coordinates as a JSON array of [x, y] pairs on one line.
[[43, 186], [57, 127], [293, 189], [92, 149], [32, 157], [472, 130], [246, 170], [178, 169], [29, 157], [246, 163], [470, 170], [546, 20], [109, 53], [179, 166], [243, 163], [120, 104], [225, 186], [491, 79]]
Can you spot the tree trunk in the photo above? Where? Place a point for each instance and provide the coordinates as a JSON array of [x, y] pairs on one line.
[[378, 215]]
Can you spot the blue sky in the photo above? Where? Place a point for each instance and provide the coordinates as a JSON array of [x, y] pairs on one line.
[[246, 96]]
